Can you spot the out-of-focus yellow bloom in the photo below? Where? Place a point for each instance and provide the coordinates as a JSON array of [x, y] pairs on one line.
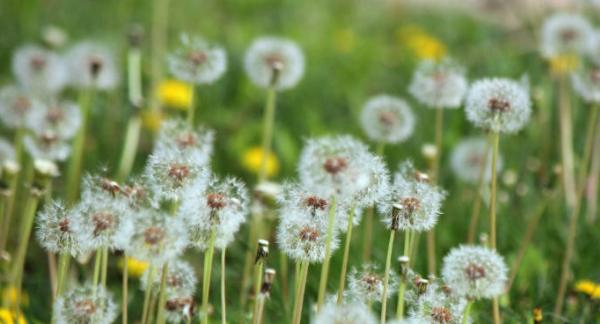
[[151, 120], [9, 294], [422, 44], [586, 287], [135, 267], [176, 94], [6, 317], [252, 159], [344, 40], [563, 64]]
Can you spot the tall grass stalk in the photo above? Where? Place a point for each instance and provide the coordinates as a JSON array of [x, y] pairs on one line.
[[326, 262], [386, 277], [566, 142]]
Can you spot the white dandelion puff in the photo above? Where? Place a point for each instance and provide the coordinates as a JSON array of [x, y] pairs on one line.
[[414, 203], [387, 119], [47, 145], [350, 313], [439, 84], [469, 157], [63, 118], [40, 71], [474, 272], [17, 107], [180, 308], [180, 279], [157, 237], [497, 104], [220, 205], [197, 61], [82, 305], [367, 285], [196, 143], [92, 65], [55, 230], [437, 305], [304, 239], [565, 33], [276, 62]]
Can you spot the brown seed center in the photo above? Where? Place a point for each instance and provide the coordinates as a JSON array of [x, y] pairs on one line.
[[86, 307], [197, 57], [55, 115], [275, 61], [63, 225], [315, 203], [441, 315], [309, 234], [153, 235], [21, 105], [216, 201], [178, 172], [387, 118], [103, 221], [186, 140], [497, 105], [474, 272], [335, 164], [37, 63]]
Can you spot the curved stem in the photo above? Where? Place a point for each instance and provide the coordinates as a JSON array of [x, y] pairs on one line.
[[326, 262], [346, 255], [386, 277], [132, 138], [566, 143], [104, 266]]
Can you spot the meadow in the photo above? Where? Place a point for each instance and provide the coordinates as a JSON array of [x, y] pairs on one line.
[[264, 161]]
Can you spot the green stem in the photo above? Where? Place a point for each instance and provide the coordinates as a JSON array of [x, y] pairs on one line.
[[147, 294], [134, 76], [258, 270], [268, 122], [74, 170], [223, 290], [104, 266], [495, 144], [162, 295], [249, 258], [386, 277], [208, 258], [63, 272], [566, 143], [368, 231], [192, 108], [160, 16], [132, 138], [283, 265], [97, 267], [325, 267], [125, 300], [402, 288], [299, 298], [466, 313], [346, 255], [477, 204]]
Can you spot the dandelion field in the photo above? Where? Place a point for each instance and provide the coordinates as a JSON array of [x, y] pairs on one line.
[[350, 161]]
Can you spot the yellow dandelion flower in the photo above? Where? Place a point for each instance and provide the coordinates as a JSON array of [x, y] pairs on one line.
[[563, 64], [176, 94], [9, 294], [151, 120], [135, 267], [585, 287], [7, 317], [423, 45], [252, 159], [344, 40]]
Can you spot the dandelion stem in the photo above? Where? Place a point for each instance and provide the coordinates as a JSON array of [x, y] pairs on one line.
[[74, 170], [386, 277], [104, 266], [268, 122], [223, 291], [466, 312], [299, 298], [132, 137], [566, 143], [96, 276], [495, 143], [477, 204], [253, 234], [346, 255], [192, 107], [125, 288], [258, 270], [592, 127], [15, 182], [261, 307], [283, 266], [134, 75], [325, 267], [162, 295], [368, 231], [402, 288], [208, 258], [63, 271], [147, 294]]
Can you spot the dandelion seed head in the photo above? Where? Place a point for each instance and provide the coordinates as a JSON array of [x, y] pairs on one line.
[[55, 230], [92, 65], [38, 70], [474, 272], [469, 156], [439, 84], [176, 134], [17, 107], [387, 119], [366, 284], [586, 83], [437, 305], [220, 205], [180, 308], [62, 118], [157, 236], [80, 306], [497, 104], [274, 60], [413, 203], [565, 33], [180, 280], [304, 239], [197, 61], [47, 145], [349, 313]]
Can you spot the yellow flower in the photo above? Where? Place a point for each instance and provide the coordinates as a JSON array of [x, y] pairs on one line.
[[176, 94], [252, 159], [344, 40], [423, 45], [6, 317], [151, 120], [135, 267], [563, 64], [9, 294], [586, 287]]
